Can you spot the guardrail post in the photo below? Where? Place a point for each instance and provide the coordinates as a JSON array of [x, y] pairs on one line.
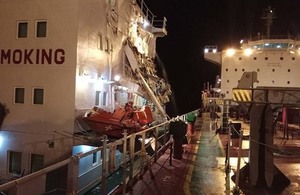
[[104, 164], [171, 149], [143, 154], [156, 144], [165, 134], [112, 157], [237, 177], [131, 160], [124, 184], [73, 171]]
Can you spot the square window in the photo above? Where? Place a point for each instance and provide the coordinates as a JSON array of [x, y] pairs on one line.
[[22, 29], [41, 29], [19, 95], [15, 162], [38, 96], [37, 162]]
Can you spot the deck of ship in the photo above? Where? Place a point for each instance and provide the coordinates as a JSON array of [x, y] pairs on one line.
[[203, 170]]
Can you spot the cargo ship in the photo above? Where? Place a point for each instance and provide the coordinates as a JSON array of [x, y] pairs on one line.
[[258, 80]]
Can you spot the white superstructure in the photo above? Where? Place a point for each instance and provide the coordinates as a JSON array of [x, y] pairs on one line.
[[275, 61], [59, 58]]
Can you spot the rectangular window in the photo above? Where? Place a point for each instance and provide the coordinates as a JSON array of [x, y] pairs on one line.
[[95, 158], [100, 42], [41, 29], [115, 97], [19, 95], [104, 98], [97, 100], [38, 96], [106, 45], [22, 29], [37, 162], [15, 162]]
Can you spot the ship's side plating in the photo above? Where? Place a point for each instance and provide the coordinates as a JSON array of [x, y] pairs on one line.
[[58, 59]]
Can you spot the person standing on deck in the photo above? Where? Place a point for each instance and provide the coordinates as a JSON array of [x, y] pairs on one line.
[[178, 128], [191, 118]]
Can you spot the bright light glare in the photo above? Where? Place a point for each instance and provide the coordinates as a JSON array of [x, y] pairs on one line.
[[1, 141], [230, 52], [85, 148], [205, 50], [214, 50], [117, 78], [248, 52], [146, 23]]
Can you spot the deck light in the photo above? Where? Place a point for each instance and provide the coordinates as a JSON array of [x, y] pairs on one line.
[[248, 51], [117, 78], [145, 23], [230, 52], [292, 52]]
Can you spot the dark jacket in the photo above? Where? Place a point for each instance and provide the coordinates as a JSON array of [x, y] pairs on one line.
[[177, 128]]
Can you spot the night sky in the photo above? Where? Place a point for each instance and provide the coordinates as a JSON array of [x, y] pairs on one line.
[[193, 24]]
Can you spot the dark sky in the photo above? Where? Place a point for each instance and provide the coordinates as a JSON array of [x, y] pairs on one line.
[[193, 24]]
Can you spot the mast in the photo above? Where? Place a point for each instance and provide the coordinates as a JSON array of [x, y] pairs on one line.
[[268, 16]]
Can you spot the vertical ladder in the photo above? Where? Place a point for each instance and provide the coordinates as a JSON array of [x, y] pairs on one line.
[[225, 118]]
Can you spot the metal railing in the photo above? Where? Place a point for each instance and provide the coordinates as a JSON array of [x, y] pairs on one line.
[[150, 16], [133, 163]]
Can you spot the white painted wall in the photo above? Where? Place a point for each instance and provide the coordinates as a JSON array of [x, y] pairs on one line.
[[272, 72]]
